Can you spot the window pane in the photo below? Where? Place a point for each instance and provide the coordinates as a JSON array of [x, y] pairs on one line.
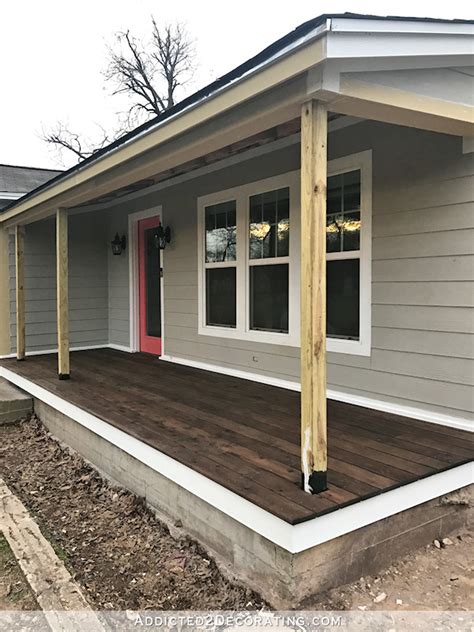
[[343, 296], [351, 228], [333, 233], [220, 297], [152, 283], [269, 297], [220, 224], [351, 190], [283, 217], [269, 224], [343, 212], [334, 200]]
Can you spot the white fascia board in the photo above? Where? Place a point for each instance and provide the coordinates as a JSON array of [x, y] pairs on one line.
[[353, 45], [418, 27]]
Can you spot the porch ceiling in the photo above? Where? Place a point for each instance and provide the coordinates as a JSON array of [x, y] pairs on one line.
[[244, 435]]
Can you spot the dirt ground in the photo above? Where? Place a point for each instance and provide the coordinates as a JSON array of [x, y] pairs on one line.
[[126, 559], [112, 545], [15, 593], [431, 579]]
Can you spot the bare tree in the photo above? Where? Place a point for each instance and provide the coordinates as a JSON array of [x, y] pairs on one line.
[[149, 74], [63, 139]]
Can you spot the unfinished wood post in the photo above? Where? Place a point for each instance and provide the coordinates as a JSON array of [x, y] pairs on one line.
[[20, 291], [313, 296], [62, 292], [5, 340]]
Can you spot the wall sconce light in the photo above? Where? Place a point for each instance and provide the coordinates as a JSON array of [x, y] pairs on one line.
[[118, 244], [162, 237]]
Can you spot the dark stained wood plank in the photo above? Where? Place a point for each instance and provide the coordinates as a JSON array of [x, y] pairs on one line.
[[245, 435]]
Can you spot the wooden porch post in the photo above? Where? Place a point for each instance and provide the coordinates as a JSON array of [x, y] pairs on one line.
[[62, 292], [313, 296], [20, 291]]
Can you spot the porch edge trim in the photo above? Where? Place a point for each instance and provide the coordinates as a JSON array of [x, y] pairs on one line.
[[293, 538], [358, 400]]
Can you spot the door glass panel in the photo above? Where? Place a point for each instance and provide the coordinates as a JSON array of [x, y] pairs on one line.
[[152, 284]]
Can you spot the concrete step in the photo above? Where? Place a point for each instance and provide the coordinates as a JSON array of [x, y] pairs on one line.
[[14, 404]]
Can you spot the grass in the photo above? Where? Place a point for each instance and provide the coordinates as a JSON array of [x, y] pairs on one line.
[[57, 548], [12, 577]]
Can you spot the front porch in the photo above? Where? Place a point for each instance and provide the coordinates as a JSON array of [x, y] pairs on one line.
[[245, 436]]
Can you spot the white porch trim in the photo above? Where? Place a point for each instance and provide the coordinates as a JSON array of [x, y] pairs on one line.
[[293, 538]]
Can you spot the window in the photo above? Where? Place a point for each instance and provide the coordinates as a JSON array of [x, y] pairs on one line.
[[343, 226], [269, 247], [348, 254], [220, 244], [249, 259], [249, 262]]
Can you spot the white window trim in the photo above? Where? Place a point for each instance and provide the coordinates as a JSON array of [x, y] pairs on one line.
[[242, 331]]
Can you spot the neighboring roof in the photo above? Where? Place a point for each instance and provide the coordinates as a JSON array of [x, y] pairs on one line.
[[16, 180], [281, 46]]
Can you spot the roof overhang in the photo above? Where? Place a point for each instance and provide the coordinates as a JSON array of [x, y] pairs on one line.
[[345, 61]]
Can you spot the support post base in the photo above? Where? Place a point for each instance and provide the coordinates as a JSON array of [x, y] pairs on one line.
[[63, 376], [318, 482], [20, 359]]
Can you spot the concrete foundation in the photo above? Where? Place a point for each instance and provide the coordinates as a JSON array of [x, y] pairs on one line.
[[283, 578], [14, 404]]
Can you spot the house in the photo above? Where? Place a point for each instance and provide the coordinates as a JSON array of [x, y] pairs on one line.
[[259, 304], [16, 181]]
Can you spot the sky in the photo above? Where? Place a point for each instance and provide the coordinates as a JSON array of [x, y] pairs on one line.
[[53, 54]]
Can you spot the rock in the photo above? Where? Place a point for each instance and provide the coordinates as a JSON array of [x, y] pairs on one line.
[[362, 607], [398, 602], [447, 542], [380, 597], [437, 544]]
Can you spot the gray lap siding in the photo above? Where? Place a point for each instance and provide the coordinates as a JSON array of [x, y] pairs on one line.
[[422, 274]]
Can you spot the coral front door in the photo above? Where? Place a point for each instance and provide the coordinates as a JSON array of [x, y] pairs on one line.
[[149, 257]]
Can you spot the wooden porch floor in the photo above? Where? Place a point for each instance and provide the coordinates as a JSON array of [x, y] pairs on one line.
[[245, 435]]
